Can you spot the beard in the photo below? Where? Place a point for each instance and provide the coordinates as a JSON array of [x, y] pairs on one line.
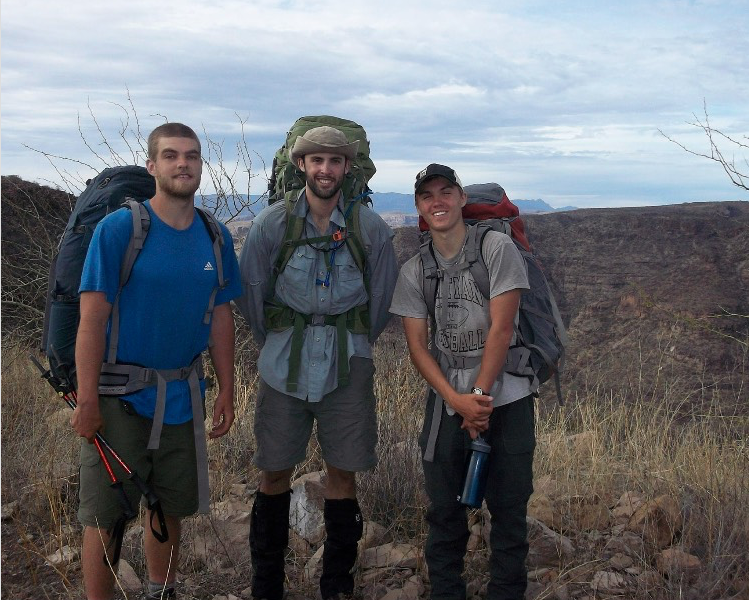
[[178, 188], [324, 194]]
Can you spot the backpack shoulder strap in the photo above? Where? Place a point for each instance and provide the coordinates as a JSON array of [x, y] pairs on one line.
[[355, 241], [217, 239], [475, 256], [292, 235], [431, 273], [141, 225]]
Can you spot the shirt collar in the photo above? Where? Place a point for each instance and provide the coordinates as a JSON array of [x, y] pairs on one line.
[[301, 208]]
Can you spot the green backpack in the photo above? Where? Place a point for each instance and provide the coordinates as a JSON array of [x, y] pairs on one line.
[[286, 183], [287, 180]]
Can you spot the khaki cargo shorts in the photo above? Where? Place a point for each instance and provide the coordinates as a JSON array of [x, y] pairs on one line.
[[346, 424], [169, 471]]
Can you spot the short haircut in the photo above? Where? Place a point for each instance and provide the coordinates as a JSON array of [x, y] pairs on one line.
[[169, 130]]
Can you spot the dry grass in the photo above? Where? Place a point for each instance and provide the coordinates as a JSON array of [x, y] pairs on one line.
[[681, 443]]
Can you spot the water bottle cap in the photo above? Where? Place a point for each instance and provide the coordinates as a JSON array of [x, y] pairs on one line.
[[480, 445]]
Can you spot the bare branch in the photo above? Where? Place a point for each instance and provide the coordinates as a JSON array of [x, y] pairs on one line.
[[716, 139]]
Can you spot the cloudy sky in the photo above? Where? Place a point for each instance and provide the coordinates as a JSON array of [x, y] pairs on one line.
[[555, 100]]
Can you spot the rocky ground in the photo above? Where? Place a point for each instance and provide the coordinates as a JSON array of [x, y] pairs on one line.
[[581, 547]]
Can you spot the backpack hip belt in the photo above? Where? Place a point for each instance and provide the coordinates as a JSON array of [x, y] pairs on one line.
[[281, 318], [137, 378]]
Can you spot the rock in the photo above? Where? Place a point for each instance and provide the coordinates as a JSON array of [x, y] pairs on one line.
[[547, 548], [63, 556], [133, 536], [475, 588], [560, 592], [626, 506], [127, 577], [313, 565], [374, 535], [475, 539], [608, 582], [306, 513], [409, 591], [541, 507], [222, 540], [620, 561], [673, 562], [627, 543], [416, 581], [391, 555], [538, 574], [657, 521], [241, 491], [9, 510], [589, 513], [534, 590]]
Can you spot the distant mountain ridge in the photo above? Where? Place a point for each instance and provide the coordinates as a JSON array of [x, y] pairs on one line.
[[396, 202], [387, 202]]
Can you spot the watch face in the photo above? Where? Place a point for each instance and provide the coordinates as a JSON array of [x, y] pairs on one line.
[[478, 390]]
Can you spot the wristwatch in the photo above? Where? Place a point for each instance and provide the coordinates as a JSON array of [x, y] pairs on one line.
[[478, 390]]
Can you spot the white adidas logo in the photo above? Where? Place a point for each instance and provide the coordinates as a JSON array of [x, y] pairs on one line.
[[208, 266]]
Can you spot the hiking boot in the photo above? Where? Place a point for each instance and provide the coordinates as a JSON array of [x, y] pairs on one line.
[[166, 594]]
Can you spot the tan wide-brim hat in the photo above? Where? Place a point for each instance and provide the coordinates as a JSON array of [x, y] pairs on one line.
[[324, 139]]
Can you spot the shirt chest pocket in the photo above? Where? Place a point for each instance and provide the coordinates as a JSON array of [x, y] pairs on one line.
[[297, 279], [348, 283]]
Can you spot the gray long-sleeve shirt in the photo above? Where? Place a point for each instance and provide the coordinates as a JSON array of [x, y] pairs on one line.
[[297, 287]]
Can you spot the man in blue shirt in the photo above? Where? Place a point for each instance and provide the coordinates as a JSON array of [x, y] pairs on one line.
[[320, 282], [166, 317]]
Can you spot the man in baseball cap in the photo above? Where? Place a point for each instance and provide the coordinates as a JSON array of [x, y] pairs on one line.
[[436, 170], [469, 394]]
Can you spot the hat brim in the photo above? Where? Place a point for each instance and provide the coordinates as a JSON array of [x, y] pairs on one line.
[[303, 146]]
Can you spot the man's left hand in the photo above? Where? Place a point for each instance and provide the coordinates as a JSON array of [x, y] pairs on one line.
[[223, 415]]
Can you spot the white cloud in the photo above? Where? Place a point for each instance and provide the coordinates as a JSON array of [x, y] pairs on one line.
[[566, 95]]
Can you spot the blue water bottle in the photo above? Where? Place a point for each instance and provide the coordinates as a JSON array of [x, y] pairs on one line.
[[474, 485]]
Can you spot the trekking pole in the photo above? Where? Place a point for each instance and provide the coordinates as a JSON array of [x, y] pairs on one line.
[[65, 389]]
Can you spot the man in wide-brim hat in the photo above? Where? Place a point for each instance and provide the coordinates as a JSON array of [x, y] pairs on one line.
[[324, 139], [315, 363]]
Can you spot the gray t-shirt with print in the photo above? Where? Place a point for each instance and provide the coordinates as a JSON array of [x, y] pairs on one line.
[[463, 318]]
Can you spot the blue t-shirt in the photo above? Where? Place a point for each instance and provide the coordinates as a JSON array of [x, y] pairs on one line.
[[163, 304]]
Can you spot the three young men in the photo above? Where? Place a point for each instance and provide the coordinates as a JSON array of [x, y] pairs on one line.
[[315, 366], [170, 308], [316, 327], [469, 394]]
